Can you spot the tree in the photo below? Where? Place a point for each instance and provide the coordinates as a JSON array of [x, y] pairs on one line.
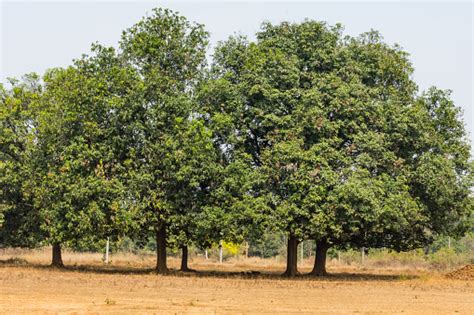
[[168, 52], [194, 160], [336, 131], [57, 179], [71, 168]]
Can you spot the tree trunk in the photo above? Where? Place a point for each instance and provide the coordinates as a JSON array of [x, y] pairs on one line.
[[184, 259], [320, 261], [291, 257], [161, 266], [57, 257]]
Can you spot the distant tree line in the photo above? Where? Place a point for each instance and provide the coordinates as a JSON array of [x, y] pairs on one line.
[[302, 131]]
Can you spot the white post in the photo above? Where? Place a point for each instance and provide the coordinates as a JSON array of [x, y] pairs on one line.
[[449, 242], [338, 256], [220, 251], [205, 253], [107, 252], [363, 255], [302, 252]]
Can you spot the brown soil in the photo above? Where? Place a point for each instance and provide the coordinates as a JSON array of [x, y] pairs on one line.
[[129, 286], [464, 273]]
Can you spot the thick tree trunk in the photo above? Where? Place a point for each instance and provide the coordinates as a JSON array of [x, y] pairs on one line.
[[319, 268], [161, 266], [57, 260], [291, 257], [184, 259]]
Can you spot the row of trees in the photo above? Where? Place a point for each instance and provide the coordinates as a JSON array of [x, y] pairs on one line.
[[303, 130]]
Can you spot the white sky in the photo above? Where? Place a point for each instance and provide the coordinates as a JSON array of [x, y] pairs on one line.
[[36, 35]]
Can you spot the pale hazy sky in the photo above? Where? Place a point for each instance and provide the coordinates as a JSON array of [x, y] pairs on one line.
[[36, 35]]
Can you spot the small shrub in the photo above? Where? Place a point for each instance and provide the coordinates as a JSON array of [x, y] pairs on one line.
[[446, 258], [109, 301]]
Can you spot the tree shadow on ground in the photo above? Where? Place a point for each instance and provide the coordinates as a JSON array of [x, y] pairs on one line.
[[242, 275]]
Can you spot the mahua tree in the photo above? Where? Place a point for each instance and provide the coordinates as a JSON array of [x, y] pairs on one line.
[[347, 149]]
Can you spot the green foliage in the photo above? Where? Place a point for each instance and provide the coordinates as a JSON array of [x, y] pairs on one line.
[[18, 216], [72, 179], [302, 133], [345, 150], [269, 245], [172, 168]]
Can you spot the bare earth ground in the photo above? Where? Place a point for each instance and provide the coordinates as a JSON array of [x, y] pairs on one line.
[[129, 285]]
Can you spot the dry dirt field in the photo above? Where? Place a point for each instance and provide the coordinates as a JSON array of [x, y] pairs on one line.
[[128, 285]]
